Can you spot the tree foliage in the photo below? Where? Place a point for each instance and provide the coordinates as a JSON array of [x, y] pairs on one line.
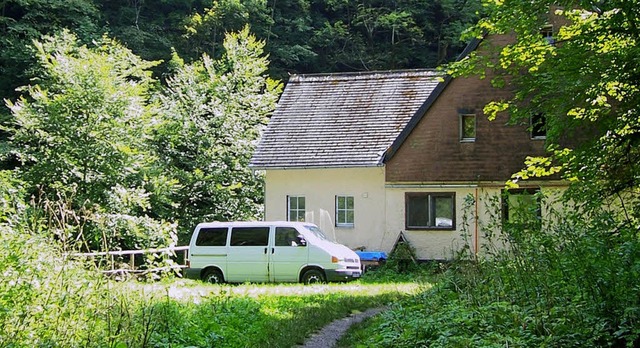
[[85, 122], [110, 153], [111, 157], [214, 111], [81, 135], [305, 36], [569, 278], [585, 82]]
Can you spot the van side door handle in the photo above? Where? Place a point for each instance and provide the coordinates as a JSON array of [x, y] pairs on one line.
[[273, 250], [265, 250]]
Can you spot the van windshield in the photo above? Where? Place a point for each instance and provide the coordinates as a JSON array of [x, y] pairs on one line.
[[317, 232]]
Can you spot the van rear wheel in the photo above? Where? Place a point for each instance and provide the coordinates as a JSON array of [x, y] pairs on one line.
[[313, 276], [213, 276]]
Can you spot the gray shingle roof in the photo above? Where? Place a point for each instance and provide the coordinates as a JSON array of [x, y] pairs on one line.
[[341, 120]]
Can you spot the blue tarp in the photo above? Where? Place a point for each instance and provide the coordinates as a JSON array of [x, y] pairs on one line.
[[372, 255]]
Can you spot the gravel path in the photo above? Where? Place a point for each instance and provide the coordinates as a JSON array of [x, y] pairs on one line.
[[330, 334]]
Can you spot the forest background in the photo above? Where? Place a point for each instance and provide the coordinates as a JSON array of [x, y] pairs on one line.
[[130, 121], [127, 122]]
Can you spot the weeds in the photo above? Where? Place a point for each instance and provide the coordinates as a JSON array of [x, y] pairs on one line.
[[76, 308], [563, 280]]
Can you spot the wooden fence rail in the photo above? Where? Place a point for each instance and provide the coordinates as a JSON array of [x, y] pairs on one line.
[[111, 255]]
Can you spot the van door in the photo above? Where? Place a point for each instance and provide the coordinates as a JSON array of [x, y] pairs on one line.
[[288, 254], [248, 257]]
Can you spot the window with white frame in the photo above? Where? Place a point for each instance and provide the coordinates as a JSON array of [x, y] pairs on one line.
[[295, 208], [430, 210], [344, 211], [467, 127]]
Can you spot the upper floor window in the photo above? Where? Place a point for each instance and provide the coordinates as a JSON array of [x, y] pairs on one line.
[[430, 210], [295, 208], [467, 127], [547, 33], [344, 211], [538, 126]]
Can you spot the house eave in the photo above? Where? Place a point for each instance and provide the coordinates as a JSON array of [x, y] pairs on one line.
[[474, 184], [344, 166]]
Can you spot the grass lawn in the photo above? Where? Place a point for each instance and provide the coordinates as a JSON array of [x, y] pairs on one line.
[[182, 313]]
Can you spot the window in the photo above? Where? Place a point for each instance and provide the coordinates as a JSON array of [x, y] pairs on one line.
[[344, 211], [538, 126], [249, 236], [430, 210], [295, 208], [522, 210], [467, 127], [289, 236], [212, 237], [547, 33]]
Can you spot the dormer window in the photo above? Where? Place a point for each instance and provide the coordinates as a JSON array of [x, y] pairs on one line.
[[538, 126], [547, 33]]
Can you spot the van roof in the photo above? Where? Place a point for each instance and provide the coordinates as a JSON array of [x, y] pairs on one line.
[[253, 223]]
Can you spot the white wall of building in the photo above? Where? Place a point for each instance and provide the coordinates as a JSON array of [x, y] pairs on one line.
[[478, 217], [429, 244], [320, 188], [379, 210]]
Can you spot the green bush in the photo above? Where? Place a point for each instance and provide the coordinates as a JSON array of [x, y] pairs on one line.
[[570, 282]]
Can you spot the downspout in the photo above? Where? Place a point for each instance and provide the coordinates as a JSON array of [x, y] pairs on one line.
[[475, 232]]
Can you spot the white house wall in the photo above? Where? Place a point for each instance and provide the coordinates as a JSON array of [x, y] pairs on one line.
[[320, 188], [428, 244], [471, 201], [379, 210]]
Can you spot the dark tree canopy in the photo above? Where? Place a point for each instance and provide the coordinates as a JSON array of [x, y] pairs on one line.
[[22, 21], [301, 36]]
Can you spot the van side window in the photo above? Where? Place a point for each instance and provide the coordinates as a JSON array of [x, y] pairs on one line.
[[249, 236], [288, 236], [212, 237]]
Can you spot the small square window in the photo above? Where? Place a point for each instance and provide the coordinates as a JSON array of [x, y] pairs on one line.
[[522, 209], [344, 211], [467, 127], [295, 208], [538, 126], [547, 33]]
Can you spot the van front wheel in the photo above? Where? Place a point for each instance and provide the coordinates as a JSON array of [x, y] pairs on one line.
[[213, 276], [313, 276]]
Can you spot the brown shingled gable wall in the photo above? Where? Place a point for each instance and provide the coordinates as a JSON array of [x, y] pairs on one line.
[[433, 151]]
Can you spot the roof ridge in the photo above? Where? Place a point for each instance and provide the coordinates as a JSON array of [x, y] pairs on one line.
[[363, 75]]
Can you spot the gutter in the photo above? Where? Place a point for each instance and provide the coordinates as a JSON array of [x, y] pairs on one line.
[[344, 166], [451, 186]]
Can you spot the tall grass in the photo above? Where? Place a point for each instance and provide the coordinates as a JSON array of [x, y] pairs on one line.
[[569, 279], [46, 301]]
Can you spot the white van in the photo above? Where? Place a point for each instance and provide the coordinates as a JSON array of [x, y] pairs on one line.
[[282, 251]]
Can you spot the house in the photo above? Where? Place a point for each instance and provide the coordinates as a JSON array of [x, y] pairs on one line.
[[372, 156]]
